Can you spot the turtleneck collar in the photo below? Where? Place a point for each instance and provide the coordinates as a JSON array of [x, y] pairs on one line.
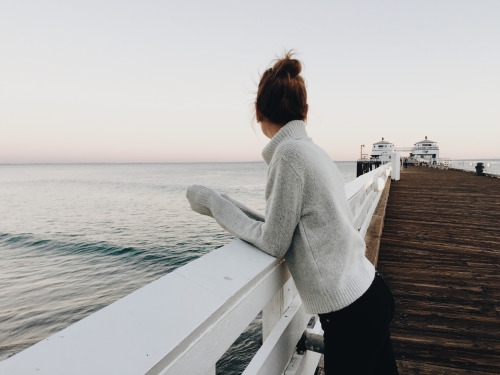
[[295, 129]]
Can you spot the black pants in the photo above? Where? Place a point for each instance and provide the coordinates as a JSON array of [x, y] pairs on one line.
[[357, 339]]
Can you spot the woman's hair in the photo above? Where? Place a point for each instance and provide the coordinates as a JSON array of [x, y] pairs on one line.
[[282, 96]]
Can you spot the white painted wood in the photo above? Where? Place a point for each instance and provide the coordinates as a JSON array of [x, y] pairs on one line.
[[303, 364], [364, 201], [396, 166], [372, 206], [363, 181], [127, 337], [360, 184], [379, 183], [369, 213], [289, 293], [309, 360], [294, 365], [162, 321], [216, 337], [309, 363], [272, 312], [275, 353], [363, 209]]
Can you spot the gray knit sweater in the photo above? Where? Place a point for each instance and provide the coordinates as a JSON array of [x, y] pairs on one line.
[[308, 221]]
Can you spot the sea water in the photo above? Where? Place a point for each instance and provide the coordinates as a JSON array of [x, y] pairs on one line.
[[76, 238], [491, 166]]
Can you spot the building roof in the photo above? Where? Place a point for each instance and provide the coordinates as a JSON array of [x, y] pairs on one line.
[[382, 142], [426, 141]]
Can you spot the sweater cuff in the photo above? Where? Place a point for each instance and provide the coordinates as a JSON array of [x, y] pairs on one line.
[[199, 198]]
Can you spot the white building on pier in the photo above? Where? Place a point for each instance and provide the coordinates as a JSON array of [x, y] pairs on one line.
[[425, 151], [382, 150]]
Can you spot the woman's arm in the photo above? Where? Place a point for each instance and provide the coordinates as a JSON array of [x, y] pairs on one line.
[[252, 214], [283, 211]]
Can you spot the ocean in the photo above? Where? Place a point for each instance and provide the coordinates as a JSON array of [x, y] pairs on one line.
[[77, 237], [491, 166]]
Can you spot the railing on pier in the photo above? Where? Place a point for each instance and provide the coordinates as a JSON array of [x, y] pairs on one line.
[[185, 321]]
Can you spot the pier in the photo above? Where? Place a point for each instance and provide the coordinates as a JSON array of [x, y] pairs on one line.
[[440, 254], [433, 234]]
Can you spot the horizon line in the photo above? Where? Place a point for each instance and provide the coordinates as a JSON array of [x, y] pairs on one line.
[[186, 162]]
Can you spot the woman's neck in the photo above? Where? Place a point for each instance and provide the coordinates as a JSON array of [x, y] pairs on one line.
[[270, 128]]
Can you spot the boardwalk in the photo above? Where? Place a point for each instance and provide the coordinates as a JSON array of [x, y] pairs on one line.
[[440, 253]]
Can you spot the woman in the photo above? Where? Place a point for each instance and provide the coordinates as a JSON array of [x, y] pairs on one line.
[[308, 221]]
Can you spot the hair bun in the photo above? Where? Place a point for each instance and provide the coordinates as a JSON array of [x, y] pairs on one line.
[[287, 66], [282, 95]]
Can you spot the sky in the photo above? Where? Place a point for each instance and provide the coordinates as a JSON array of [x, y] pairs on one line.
[[175, 81]]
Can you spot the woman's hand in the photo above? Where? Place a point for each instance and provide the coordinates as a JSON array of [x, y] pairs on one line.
[[199, 199]]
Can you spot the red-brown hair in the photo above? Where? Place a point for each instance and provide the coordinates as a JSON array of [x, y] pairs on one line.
[[282, 95]]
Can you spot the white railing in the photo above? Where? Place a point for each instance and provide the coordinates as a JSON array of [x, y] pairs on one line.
[[185, 321], [363, 194]]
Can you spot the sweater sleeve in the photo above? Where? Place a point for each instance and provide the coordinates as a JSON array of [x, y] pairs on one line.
[[283, 211], [252, 214]]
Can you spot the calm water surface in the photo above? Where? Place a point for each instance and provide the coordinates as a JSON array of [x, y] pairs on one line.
[[491, 166]]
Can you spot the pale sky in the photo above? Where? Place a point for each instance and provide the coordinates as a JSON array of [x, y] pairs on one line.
[[175, 81]]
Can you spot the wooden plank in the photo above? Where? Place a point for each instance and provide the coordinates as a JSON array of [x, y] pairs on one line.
[[418, 368], [440, 254]]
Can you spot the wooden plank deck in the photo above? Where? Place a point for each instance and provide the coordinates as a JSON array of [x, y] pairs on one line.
[[440, 254]]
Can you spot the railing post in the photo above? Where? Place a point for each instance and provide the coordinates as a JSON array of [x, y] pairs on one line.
[[396, 166], [275, 308]]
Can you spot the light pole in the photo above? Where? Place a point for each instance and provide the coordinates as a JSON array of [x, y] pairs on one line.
[[362, 151]]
